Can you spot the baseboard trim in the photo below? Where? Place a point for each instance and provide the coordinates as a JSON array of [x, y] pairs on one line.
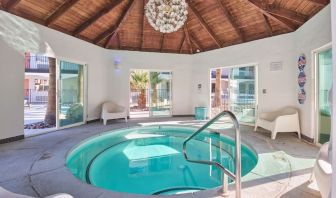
[[11, 139], [308, 139], [92, 121], [177, 116], [98, 120]]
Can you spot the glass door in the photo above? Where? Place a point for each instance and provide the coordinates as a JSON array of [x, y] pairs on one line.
[[324, 68], [242, 97], [160, 93], [234, 89], [70, 94]]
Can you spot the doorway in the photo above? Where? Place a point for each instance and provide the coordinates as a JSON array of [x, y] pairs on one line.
[[234, 89], [71, 106], [150, 93], [323, 68], [54, 94], [39, 94]]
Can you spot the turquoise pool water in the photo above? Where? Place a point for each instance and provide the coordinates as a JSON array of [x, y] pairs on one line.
[[149, 160]]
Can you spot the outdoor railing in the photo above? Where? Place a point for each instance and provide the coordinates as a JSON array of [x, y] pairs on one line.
[[32, 96], [162, 99], [40, 64], [37, 63], [240, 103]]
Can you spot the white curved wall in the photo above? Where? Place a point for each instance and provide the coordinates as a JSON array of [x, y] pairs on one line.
[[281, 86], [18, 35]]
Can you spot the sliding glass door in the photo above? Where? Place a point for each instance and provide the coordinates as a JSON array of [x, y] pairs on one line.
[[150, 93], [324, 84], [234, 89], [70, 94], [160, 93], [242, 93]]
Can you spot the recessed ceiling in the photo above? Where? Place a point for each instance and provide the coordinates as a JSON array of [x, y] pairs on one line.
[[211, 24]]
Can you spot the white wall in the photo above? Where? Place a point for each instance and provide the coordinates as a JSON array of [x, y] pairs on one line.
[[180, 65], [18, 36], [105, 83], [311, 36], [281, 86], [11, 86]]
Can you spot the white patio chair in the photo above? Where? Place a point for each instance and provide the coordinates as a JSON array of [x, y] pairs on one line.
[[322, 171], [111, 110], [7, 194], [284, 120]]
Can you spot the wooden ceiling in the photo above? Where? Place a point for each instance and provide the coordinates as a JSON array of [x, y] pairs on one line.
[[211, 24]]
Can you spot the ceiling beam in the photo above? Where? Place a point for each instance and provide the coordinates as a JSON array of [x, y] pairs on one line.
[[60, 11], [320, 2], [262, 8], [228, 15], [182, 43], [113, 4], [148, 49], [288, 14], [119, 42], [10, 5], [107, 42], [143, 25], [162, 41], [111, 38], [186, 32], [115, 28], [194, 41], [268, 26], [205, 25]]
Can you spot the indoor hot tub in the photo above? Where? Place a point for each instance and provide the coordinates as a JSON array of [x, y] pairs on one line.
[[149, 160]]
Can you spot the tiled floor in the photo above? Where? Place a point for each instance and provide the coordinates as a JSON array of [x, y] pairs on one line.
[[36, 166]]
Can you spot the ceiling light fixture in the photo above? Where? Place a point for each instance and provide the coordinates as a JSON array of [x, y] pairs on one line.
[[166, 16]]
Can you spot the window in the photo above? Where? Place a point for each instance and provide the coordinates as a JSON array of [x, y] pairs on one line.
[[242, 88]]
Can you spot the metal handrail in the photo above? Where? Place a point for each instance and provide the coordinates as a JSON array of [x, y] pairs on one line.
[[237, 176]]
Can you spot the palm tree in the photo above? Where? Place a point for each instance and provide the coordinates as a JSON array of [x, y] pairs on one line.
[[218, 88], [139, 81], [155, 80], [50, 117]]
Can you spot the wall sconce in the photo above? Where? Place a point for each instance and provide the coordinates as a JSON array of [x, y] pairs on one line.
[[117, 65]]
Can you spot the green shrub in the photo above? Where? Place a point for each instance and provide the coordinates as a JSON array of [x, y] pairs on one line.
[[75, 113]]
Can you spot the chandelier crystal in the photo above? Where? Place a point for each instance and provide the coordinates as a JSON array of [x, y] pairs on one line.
[[166, 16]]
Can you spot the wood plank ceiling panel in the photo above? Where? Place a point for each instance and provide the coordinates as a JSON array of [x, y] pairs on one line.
[[172, 41], [130, 29], [104, 22], [79, 13], [252, 20], [35, 8], [218, 22], [211, 24]]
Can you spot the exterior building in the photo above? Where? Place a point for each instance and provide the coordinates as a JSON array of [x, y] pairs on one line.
[[36, 81]]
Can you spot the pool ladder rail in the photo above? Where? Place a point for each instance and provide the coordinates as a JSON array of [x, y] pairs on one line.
[[234, 176]]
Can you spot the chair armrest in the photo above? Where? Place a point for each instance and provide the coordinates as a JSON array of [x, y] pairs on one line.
[[269, 116], [286, 118]]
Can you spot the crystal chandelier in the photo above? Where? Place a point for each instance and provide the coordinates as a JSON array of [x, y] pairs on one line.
[[166, 16]]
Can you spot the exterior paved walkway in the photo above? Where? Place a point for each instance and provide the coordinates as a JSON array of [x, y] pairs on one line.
[[36, 166], [34, 113]]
